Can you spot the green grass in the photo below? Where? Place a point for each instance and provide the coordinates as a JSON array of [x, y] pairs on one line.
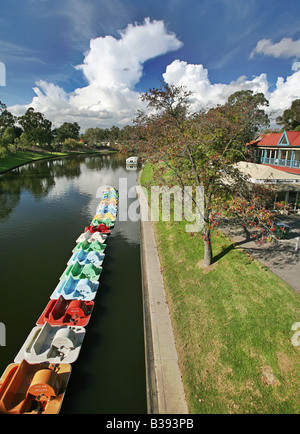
[[147, 175], [23, 157], [232, 324]]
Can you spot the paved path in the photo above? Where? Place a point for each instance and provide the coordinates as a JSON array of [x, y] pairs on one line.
[[164, 383], [281, 258]]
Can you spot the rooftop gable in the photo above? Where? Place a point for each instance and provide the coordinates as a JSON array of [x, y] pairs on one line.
[[287, 138], [284, 141]]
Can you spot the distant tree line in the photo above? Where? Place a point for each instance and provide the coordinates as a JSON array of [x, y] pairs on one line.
[[33, 130]]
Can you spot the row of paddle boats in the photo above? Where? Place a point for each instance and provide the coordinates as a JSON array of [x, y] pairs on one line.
[[37, 380]]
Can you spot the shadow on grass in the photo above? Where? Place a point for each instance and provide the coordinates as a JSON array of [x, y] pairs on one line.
[[232, 246]]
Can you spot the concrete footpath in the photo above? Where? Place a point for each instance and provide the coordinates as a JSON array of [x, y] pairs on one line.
[[165, 393], [282, 258]]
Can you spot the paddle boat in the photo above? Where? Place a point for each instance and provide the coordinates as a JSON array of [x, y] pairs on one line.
[[33, 389], [106, 219], [63, 312], [73, 289], [109, 191], [103, 229], [86, 271], [87, 247], [88, 236], [111, 200], [59, 344], [106, 207], [82, 257]]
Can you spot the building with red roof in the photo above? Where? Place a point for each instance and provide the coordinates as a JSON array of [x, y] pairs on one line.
[[280, 150]]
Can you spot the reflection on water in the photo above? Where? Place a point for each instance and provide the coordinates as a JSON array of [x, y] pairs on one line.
[[44, 207]]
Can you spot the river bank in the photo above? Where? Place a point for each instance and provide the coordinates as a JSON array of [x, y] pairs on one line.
[[165, 393], [20, 158], [232, 325]]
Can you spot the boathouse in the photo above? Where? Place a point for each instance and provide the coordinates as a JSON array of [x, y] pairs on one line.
[[281, 150], [277, 158]]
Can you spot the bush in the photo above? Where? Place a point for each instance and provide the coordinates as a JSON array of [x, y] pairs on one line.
[[3, 153], [74, 145]]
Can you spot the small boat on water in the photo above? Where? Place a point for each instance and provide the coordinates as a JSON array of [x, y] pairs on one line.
[[87, 247], [110, 192], [132, 161], [88, 236], [61, 344], [85, 271], [33, 389], [73, 289], [107, 219], [63, 312], [82, 257], [102, 228], [107, 207]]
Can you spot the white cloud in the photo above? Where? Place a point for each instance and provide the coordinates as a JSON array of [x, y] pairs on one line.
[[118, 62], [205, 94], [286, 48], [286, 91], [112, 68]]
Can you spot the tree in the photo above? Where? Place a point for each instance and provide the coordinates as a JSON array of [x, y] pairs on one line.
[[66, 131], [36, 127], [72, 144], [8, 136], [201, 149], [7, 142], [290, 120], [252, 105], [6, 118]]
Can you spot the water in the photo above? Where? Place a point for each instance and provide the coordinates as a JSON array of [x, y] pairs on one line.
[[44, 207]]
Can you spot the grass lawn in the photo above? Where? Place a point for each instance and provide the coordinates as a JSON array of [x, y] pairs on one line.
[[23, 157], [232, 325]]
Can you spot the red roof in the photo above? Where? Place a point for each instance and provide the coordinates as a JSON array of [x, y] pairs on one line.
[[285, 169], [272, 139], [294, 137]]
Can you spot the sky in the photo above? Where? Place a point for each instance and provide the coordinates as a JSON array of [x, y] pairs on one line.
[[87, 61]]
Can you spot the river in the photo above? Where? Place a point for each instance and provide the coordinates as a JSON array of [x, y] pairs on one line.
[[44, 207]]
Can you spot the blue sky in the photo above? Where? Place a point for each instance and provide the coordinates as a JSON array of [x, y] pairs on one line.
[[125, 46]]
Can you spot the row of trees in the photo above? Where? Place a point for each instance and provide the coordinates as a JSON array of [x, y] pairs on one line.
[[33, 129], [113, 135], [201, 149]]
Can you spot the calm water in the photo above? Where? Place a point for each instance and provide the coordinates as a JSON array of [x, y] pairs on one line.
[[44, 207]]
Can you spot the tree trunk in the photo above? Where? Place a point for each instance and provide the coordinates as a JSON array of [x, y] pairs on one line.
[[207, 248]]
